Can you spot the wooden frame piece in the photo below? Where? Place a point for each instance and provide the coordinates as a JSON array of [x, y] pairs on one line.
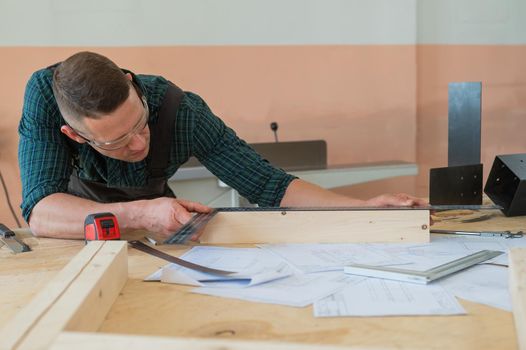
[[517, 268], [318, 226], [78, 298]]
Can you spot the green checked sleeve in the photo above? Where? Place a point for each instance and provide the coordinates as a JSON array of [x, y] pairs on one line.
[[43, 155], [232, 160]]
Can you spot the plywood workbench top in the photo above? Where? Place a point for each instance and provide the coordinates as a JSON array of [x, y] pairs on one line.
[[150, 308]]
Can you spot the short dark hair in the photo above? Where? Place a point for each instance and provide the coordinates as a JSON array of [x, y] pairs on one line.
[[89, 85]]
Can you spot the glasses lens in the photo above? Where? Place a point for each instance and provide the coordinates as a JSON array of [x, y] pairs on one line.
[[123, 141], [114, 145]]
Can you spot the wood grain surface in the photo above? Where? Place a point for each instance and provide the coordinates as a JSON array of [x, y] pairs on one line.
[[150, 308], [517, 261], [321, 226]]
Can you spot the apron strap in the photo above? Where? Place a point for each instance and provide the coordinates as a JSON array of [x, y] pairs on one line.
[[162, 132]]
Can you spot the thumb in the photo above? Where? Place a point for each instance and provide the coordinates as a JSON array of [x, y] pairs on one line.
[[181, 214], [194, 206], [406, 202]]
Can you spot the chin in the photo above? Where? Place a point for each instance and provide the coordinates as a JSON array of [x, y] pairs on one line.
[[137, 157]]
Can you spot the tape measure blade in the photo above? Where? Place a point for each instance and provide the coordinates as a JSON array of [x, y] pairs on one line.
[[175, 260]]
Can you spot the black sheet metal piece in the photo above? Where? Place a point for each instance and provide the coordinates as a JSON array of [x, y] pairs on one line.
[[456, 185], [464, 109], [461, 181], [506, 184]]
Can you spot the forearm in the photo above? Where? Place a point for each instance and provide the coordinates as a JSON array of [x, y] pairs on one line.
[[62, 215], [304, 194]]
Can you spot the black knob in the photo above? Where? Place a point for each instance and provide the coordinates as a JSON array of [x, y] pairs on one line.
[[274, 128]]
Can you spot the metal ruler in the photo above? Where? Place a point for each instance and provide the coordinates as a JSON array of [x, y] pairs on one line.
[[504, 234], [199, 220], [422, 277]]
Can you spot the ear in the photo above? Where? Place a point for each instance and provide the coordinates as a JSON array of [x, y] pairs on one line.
[[129, 76], [72, 134]]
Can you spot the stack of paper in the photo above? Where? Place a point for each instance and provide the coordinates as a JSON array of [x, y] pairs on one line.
[[304, 274]]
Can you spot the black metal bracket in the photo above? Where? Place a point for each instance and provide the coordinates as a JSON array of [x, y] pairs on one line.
[[456, 185], [506, 184]]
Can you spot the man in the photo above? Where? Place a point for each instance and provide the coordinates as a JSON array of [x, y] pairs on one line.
[[97, 138]]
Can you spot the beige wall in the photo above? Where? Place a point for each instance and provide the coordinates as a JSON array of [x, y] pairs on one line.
[[369, 76], [502, 70], [361, 99], [371, 103]]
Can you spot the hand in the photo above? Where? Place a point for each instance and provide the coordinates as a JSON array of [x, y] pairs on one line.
[[166, 215], [396, 200]]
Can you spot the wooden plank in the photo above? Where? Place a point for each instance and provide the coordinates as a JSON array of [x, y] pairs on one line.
[[14, 331], [85, 304], [101, 341], [318, 227], [82, 303], [101, 284], [517, 268]]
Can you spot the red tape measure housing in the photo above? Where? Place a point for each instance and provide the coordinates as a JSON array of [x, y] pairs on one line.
[[101, 227]]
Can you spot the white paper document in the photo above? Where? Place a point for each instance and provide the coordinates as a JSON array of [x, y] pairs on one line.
[[302, 274], [253, 266], [478, 284], [298, 290], [329, 257], [483, 284], [444, 248], [378, 297]]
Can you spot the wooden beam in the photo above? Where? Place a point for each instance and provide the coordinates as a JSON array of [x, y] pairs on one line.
[[322, 226], [103, 341], [28, 317], [517, 267], [78, 298]]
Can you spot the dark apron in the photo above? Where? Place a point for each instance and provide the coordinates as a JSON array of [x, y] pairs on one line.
[[161, 135]]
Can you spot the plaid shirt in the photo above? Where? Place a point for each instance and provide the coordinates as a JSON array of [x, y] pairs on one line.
[[47, 157]]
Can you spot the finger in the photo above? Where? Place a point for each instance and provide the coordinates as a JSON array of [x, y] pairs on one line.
[[405, 203], [194, 206], [407, 200], [415, 200], [398, 201], [180, 214], [421, 202]]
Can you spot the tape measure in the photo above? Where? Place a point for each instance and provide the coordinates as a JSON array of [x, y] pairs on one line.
[[199, 221], [101, 227]]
